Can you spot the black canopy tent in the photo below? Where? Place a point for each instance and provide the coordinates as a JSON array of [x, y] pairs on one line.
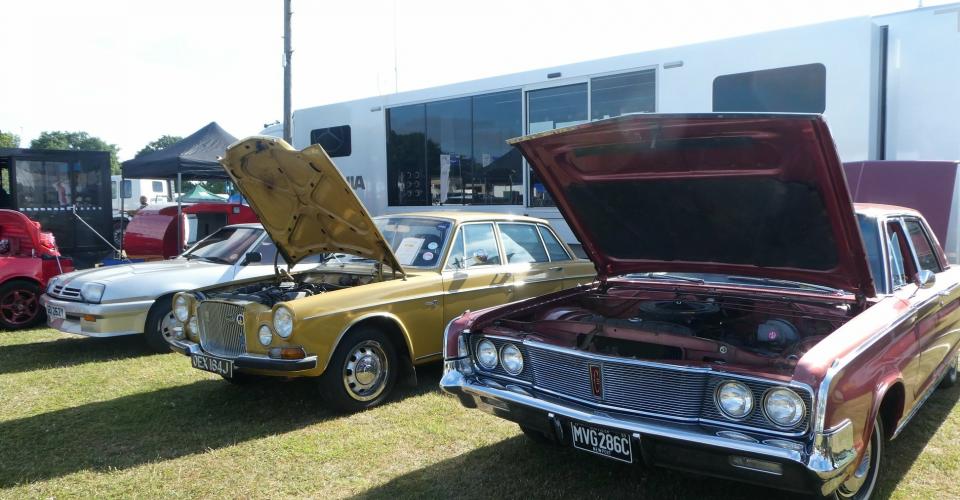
[[192, 158]]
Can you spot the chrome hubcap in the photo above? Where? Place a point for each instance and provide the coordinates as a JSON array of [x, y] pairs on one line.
[[169, 326], [365, 371], [851, 486]]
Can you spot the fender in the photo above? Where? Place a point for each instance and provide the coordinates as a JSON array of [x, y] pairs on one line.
[[390, 316]]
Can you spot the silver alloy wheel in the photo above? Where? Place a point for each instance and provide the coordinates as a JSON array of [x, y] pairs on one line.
[[168, 326], [365, 371]]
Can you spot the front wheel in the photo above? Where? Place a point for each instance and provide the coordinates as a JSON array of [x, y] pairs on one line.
[[19, 307], [362, 371], [161, 325], [860, 485]]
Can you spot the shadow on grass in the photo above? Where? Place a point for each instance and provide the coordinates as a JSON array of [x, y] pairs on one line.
[[518, 466], [160, 425], [902, 452], [70, 352]]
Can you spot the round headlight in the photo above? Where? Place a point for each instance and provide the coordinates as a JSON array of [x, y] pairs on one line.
[[266, 336], [283, 322], [783, 407], [734, 399], [193, 328], [511, 359], [181, 308], [487, 354]]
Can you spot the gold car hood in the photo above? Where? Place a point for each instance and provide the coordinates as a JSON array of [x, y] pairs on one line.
[[303, 201]]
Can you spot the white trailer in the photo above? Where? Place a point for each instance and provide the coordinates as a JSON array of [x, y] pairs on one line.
[[886, 84]]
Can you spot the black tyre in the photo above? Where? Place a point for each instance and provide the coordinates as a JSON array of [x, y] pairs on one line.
[[19, 305], [362, 371], [861, 484], [160, 325], [950, 379], [537, 436]]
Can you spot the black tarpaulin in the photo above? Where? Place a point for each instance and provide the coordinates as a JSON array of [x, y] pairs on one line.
[[194, 157]]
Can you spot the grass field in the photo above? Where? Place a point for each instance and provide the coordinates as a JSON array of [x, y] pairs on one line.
[[85, 417]]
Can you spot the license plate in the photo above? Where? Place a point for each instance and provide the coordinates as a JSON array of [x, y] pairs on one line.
[[603, 442], [211, 364], [56, 312]]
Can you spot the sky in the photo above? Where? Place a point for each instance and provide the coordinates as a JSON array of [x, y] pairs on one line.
[[132, 71]]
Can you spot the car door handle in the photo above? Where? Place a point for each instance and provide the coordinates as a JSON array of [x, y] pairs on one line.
[[432, 303], [558, 268]]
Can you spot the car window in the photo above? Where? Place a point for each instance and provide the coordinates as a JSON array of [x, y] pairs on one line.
[[870, 231], [926, 256], [521, 243], [898, 273], [226, 246], [474, 246], [268, 252], [554, 247]]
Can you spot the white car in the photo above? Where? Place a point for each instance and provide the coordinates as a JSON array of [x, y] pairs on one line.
[[136, 298]]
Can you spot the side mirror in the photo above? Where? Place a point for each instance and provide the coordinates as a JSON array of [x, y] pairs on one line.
[[926, 279], [252, 258]]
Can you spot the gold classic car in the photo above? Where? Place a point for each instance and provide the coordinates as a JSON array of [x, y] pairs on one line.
[[377, 304]]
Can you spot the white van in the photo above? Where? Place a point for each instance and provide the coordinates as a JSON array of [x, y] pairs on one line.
[[155, 191]]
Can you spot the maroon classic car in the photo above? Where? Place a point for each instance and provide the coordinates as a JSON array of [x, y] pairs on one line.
[[748, 322]]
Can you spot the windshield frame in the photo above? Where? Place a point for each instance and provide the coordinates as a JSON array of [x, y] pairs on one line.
[[188, 253], [441, 252]]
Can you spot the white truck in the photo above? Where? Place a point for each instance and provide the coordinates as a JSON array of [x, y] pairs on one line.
[[131, 193]]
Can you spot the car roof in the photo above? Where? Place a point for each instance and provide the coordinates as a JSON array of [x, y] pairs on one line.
[[881, 210], [461, 217]]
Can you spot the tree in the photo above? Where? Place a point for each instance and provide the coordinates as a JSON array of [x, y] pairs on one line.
[[161, 143], [9, 140], [77, 141]]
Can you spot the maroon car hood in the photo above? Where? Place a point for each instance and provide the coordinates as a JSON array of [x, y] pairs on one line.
[[733, 194]]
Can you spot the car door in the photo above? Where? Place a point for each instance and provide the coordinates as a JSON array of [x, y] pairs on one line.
[[940, 307], [904, 338], [528, 261], [575, 271], [474, 276]]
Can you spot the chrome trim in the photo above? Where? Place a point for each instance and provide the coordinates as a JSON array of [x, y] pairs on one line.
[[370, 305], [922, 400], [831, 455]]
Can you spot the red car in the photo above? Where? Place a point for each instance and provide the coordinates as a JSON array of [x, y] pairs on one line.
[[28, 259], [749, 321], [152, 233]]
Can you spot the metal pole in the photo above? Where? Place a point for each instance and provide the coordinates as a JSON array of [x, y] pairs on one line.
[[179, 213], [120, 191], [287, 56]]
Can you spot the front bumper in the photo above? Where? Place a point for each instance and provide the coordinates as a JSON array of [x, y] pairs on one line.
[[687, 446], [102, 320], [244, 362]]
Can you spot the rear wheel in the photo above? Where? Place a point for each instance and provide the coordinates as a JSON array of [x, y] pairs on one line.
[[860, 485], [161, 325], [362, 371], [19, 307], [950, 379]]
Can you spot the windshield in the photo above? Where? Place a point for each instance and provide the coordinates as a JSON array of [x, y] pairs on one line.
[[226, 246], [416, 241]]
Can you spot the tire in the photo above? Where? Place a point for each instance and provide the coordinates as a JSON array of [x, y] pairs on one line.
[[19, 305], [350, 390], [950, 379], [861, 485], [160, 324], [537, 436]]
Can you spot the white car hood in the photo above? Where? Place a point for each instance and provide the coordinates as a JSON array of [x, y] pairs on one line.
[[148, 280]]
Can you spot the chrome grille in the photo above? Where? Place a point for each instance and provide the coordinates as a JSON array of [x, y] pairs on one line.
[[657, 390], [220, 333], [65, 292]]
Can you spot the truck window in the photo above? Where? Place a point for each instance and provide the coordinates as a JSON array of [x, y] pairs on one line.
[[157, 186], [921, 244]]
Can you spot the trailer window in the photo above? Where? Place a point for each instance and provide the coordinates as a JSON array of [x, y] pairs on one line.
[[334, 140], [157, 186], [548, 109], [616, 95], [792, 89]]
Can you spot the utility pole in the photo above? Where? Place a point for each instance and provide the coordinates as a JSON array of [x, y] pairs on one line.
[[287, 56]]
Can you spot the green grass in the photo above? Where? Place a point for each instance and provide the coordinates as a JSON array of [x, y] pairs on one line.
[[82, 417]]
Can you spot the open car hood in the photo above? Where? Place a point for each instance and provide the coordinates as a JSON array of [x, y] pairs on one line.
[[732, 194], [303, 201]]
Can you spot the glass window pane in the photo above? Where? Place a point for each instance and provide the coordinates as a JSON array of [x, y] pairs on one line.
[[793, 89], [157, 186], [415, 241], [616, 95], [497, 167], [127, 188], [113, 190], [480, 246], [554, 248], [457, 256], [897, 271], [334, 140], [407, 180], [548, 109], [449, 149], [871, 240], [928, 259], [521, 243]]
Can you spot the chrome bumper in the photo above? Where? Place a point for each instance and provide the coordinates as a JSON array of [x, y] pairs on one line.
[[109, 320], [689, 446], [249, 361]]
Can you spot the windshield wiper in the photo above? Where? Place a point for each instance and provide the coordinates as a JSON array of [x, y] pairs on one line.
[[786, 284], [664, 276]]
